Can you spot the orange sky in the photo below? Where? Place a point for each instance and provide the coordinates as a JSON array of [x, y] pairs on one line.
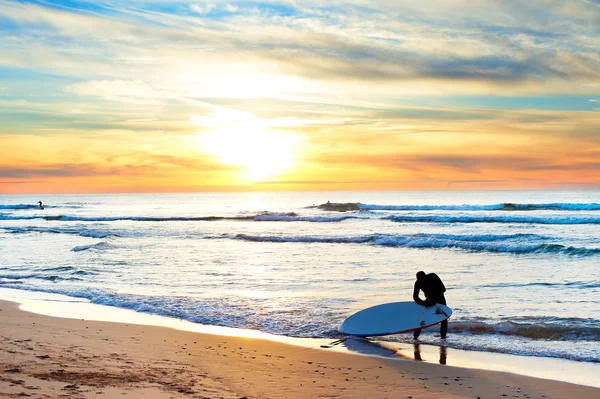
[[228, 97]]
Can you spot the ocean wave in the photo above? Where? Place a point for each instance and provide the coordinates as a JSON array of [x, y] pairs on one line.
[[35, 206], [19, 206], [494, 219], [97, 234], [506, 206], [83, 232], [4, 281], [296, 218], [301, 317], [260, 217], [491, 207], [99, 246], [547, 328], [512, 243], [265, 317], [571, 284], [58, 269], [12, 278], [338, 206]]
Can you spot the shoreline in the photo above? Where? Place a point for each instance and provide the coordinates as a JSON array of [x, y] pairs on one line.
[[247, 370], [74, 358], [571, 371], [565, 370]]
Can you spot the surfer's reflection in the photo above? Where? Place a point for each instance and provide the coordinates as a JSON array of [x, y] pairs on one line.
[[443, 355], [417, 353]]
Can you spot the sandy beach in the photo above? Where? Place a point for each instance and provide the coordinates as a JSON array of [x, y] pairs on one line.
[[49, 357]]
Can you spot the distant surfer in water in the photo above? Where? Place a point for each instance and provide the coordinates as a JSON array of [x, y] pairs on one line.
[[41, 206], [434, 289]]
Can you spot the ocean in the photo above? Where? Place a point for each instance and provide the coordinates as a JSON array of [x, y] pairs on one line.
[[522, 268]]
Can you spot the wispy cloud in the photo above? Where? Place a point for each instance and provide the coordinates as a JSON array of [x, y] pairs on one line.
[[321, 44], [202, 8], [385, 87]]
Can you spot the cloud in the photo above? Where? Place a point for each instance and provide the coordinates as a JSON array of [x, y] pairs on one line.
[[20, 182], [475, 181], [388, 48], [128, 165], [119, 90], [135, 92], [65, 170], [457, 163], [202, 9]]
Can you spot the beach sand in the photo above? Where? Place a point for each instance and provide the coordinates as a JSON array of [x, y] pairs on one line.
[[50, 357]]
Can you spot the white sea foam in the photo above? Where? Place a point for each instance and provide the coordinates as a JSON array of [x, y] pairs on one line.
[[520, 270]]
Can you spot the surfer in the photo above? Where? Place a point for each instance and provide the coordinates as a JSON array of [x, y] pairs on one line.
[[41, 206], [434, 289]]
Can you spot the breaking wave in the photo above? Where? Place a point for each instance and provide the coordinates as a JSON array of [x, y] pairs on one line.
[[493, 219], [18, 278], [99, 246], [83, 232], [19, 206], [571, 284], [507, 206], [293, 217], [556, 329], [491, 207], [512, 243], [303, 317], [260, 217], [34, 206]]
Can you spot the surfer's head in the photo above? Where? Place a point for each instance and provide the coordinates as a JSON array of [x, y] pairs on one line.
[[420, 275]]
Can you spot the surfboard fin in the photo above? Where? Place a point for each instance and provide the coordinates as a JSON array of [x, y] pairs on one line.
[[439, 310]]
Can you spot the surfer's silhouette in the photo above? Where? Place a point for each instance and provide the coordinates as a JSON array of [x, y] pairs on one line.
[[41, 206], [434, 289]]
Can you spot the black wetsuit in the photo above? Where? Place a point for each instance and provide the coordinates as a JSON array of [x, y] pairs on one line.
[[434, 289]]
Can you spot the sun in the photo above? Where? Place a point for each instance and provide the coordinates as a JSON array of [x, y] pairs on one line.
[[237, 138]]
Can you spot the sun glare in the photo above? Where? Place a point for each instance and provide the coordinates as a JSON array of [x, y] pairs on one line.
[[237, 138]]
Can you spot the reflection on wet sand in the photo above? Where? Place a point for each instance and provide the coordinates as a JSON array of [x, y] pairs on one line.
[[417, 353], [386, 349], [443, 355]]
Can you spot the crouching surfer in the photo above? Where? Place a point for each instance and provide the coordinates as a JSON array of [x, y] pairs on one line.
[[434, 289]]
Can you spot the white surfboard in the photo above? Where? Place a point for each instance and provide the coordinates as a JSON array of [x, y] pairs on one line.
[[393, 318]]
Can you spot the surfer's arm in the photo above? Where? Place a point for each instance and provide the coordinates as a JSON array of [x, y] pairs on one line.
[[416, 295]]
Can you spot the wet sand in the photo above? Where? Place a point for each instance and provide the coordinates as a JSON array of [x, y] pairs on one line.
[[50, 357]]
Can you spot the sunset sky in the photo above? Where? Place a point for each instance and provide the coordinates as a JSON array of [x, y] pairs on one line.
[[155, 96]]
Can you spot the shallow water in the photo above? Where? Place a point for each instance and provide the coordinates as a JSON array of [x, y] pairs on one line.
[[521, 268]]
